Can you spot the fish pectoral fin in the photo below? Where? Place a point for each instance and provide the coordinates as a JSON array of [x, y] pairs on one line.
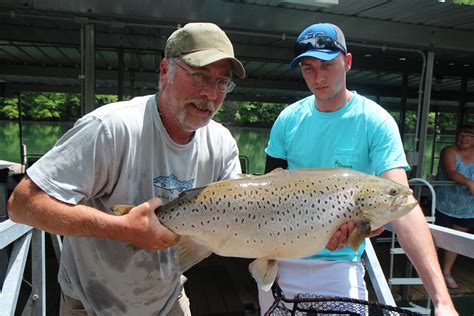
[[121, 209], [190, 252], [357, 236], [264, 272]]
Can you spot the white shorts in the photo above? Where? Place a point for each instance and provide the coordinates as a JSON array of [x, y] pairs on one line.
[[317, 277]]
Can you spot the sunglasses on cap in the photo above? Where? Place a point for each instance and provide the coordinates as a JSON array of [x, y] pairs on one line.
[[318, 42]]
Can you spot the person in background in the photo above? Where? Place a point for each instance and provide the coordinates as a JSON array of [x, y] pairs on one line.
[[455, 203], [131, 153], [338, 128]]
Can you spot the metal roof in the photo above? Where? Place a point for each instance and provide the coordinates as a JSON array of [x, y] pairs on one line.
[[40, 44]]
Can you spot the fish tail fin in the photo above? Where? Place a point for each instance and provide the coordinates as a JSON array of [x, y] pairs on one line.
[[264, 272], [190, 252], [121, 209], [357, 236]]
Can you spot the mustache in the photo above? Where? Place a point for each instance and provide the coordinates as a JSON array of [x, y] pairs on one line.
[[203, 105]]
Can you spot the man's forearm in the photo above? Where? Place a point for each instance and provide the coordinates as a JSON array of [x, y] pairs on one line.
[[413, 227], [31, 206], [415, 238]]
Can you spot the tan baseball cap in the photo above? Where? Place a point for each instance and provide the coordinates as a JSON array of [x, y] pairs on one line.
[[201, 44]]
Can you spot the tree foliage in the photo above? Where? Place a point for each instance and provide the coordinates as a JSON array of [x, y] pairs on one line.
[[47, 106], [464, 2], [249, 113], [67, 107]]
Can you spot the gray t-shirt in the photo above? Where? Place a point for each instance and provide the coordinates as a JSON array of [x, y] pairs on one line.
[[122, 154]]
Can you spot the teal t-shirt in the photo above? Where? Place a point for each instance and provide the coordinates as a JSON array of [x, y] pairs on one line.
[[360, 136]]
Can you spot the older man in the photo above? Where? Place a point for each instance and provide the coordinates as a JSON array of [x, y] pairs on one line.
[[129, 153]]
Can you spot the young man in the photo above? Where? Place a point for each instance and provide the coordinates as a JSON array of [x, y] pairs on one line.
[[129, 153], [337, 128]]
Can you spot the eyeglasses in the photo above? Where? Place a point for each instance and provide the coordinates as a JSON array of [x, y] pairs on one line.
[[202, 79], [318, 42]]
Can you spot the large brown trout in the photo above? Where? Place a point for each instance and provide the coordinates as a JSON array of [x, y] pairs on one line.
[[282, 214]]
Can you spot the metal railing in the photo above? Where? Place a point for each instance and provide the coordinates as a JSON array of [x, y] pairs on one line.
[[17, 239]]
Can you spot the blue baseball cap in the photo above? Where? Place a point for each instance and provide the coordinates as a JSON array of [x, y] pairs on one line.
[[322, 41]]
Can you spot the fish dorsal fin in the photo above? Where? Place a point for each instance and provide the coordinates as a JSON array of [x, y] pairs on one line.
[[190, 252], [191, 192], [264, 272], [277, 170], [242, 176]]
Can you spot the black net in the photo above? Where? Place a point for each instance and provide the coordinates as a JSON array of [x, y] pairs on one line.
[[306, 304]]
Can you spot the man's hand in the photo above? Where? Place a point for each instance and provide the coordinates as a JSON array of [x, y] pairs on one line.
[[339, 238], [146, 230]]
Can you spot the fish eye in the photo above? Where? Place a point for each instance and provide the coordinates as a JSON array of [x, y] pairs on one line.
[[392, 191]]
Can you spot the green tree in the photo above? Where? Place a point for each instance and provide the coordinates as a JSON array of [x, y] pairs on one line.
[[8, 108], [102, 99], [45, 106]]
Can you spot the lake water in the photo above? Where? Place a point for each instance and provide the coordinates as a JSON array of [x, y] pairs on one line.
[[39, 137]]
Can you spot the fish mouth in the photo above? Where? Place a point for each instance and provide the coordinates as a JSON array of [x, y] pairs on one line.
[[401, 202]]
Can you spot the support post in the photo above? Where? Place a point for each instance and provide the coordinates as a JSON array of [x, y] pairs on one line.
[[38, 274], [87, 67], [120, 74], [403, 104], [423, 119]]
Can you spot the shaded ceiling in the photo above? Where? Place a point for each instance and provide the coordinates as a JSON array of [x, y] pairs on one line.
[[40, 44]]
